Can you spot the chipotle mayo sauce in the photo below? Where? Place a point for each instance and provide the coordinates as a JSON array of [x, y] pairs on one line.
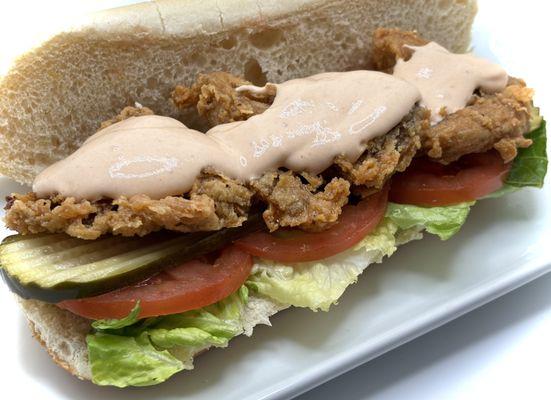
[[447, 80], [310, 122]]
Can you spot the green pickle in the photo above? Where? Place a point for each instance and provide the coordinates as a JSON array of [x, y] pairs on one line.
[[56, 267]]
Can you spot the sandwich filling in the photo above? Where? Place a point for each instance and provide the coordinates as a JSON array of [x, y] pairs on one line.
[[310, 122], [165, 235], [296, 156]]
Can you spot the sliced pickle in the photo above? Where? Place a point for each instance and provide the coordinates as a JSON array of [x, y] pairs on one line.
[[55, 267]]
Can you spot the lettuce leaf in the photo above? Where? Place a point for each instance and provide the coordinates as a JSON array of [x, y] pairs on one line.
[[442, 221], [130, 319], [128, 361], [315, 285], [319, 284], [530, 165], [129, 353], [193, 337]]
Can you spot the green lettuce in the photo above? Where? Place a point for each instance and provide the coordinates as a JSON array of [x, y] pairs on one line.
[[129, 361], [530, 165], [442, 221], [127, 352], [130, 319], [319, 284]]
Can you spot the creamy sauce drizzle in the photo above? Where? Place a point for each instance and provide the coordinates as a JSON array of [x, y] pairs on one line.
[[447, 80], [269, 89], [310, 122]]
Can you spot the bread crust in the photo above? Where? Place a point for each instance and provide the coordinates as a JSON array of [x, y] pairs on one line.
[[58, 360], [63, 334]]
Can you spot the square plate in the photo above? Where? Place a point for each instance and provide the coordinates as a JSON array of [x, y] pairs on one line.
[[504, 244]]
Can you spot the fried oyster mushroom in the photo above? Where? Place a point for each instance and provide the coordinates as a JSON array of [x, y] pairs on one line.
[[497, 120], [287, 198], [218, 102]]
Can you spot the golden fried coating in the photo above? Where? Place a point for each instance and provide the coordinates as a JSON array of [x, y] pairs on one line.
[[386, 154], [215, 202], [390, 45], [137, 215], [292, 203], [496, 121], [217, 101], [231, 199], [126, 113]]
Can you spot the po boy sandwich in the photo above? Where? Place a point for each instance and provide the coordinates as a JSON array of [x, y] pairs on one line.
[[154, 241]]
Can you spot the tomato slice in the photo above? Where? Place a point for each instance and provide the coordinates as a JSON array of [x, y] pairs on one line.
[[354, 224], [189, 286], [428, 183]]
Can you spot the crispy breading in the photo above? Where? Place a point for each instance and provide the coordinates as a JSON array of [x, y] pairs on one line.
[[137, 215], [126, 113], [217, 101], [386, 154], [496, 121], [292, 203], [489, 121], [215, 202], [232, 200], [390, 45], [28, 214]]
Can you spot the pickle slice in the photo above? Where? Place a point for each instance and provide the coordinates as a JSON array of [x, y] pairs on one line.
[[56, 267]]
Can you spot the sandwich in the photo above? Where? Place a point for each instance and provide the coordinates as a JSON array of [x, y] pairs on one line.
[[176, 223]]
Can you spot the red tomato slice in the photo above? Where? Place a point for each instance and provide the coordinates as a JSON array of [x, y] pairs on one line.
[[428, 183], [192, 285], [354, 224]]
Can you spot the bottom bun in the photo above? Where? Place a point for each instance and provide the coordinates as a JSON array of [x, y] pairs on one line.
[[63, 334]]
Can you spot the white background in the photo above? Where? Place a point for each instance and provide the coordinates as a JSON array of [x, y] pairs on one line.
[[500, 351]]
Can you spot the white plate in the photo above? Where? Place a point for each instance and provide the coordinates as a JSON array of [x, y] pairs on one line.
[[504, 244]]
